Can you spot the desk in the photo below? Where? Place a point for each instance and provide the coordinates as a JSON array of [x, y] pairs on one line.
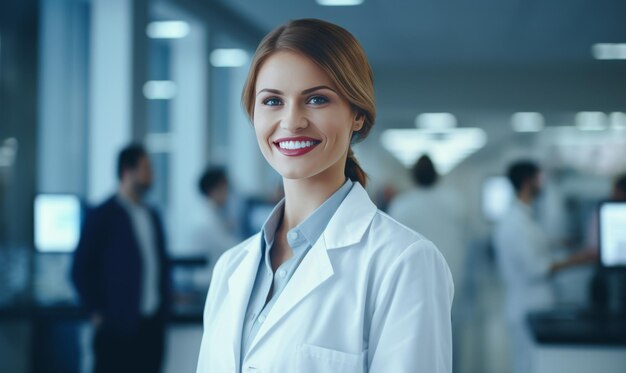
[[60, 338], [577, 342]]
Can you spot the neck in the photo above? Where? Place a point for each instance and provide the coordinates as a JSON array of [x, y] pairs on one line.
[[525, 197], [304, 196], [128, 192]]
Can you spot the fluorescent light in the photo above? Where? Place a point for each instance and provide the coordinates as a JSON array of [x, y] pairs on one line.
[[527, 122], [167, 29], [435, 121], [229, 57], [8, 152], [618, 121], [159, 90], [339, 2], [159, 142], [609, 51], [447, 150], [591, 121]]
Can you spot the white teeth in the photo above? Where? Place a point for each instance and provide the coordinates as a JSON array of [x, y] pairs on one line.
[[295, 144]]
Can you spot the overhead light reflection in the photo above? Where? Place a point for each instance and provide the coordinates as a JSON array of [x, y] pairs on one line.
[[8, 152], [228, 57], [159, 142], [527, 122], [339, 2], [618, 121], [591, 121], [167, 29], [447, 150], [609, 51], [435, 121], [159, 90]]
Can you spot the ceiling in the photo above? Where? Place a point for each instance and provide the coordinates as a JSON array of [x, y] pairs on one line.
[[461, 33]]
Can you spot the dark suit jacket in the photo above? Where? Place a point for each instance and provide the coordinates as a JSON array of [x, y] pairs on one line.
[[107, 268]]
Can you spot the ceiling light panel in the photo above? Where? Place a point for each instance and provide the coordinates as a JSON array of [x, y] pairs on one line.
[[228, 57], [167, 29], [527, 122]]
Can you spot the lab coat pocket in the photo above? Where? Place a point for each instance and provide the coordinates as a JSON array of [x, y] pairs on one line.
[[315, 359]]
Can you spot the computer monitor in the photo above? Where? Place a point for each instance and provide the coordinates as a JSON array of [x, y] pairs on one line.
[[496, 197], [612, 233], [57, 222]]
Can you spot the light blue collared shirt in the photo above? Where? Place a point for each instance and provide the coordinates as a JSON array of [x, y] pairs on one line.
[[301, 238]]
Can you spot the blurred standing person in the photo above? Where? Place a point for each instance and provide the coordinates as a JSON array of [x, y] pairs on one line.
[[525, 259], [211, 235], [121, 273], [438, 213]]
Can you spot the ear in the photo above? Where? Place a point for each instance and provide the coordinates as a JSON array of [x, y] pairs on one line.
[[359, 120]]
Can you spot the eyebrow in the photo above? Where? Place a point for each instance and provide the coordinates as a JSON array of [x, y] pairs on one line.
[[306, 91]]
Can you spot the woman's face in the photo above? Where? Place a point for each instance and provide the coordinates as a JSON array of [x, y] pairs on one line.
[[301, 123]]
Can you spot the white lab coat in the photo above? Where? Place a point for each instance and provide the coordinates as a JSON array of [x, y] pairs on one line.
[[370, 296], [209, 234], [524, 258], [439, 214]]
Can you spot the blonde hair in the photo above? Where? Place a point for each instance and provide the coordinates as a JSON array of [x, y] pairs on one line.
[[336, 52]]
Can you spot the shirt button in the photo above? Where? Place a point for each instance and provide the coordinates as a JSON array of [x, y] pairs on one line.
[[261, 319], [292, 235], [282, 273]]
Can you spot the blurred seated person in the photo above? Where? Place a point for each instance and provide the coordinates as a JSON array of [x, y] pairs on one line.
[[210, 234], [436, 212]]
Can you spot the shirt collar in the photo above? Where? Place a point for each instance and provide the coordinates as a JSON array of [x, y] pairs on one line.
[[125, 201], [313, 226], [527, 209]]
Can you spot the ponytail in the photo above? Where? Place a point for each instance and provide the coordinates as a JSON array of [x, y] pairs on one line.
[[353, 170]]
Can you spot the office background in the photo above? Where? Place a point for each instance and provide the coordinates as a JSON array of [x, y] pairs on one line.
[[474, 84]]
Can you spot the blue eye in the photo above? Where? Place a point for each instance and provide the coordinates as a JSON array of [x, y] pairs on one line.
[[272, 101], [318, 100]]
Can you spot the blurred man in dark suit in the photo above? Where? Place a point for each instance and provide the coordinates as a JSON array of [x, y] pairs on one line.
[[121, 273]]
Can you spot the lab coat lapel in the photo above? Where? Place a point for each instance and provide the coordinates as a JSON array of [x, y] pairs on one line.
[[314, 270], [240, 286], [352, 219], [346, 227]]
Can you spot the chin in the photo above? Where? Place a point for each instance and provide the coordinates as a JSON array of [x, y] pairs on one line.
[[294, 172]]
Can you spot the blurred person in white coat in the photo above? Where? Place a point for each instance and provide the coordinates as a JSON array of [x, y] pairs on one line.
[[438, 213], [210, 233], [330, 284], [526, 260]]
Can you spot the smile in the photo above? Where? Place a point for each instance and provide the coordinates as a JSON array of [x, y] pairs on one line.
[[296, 146]]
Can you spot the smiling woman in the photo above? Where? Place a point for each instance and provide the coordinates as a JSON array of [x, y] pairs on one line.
[[331, 53], [296, 111], [330, 284]]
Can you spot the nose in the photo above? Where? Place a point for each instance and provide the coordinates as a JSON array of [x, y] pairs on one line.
[[294, 119]]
